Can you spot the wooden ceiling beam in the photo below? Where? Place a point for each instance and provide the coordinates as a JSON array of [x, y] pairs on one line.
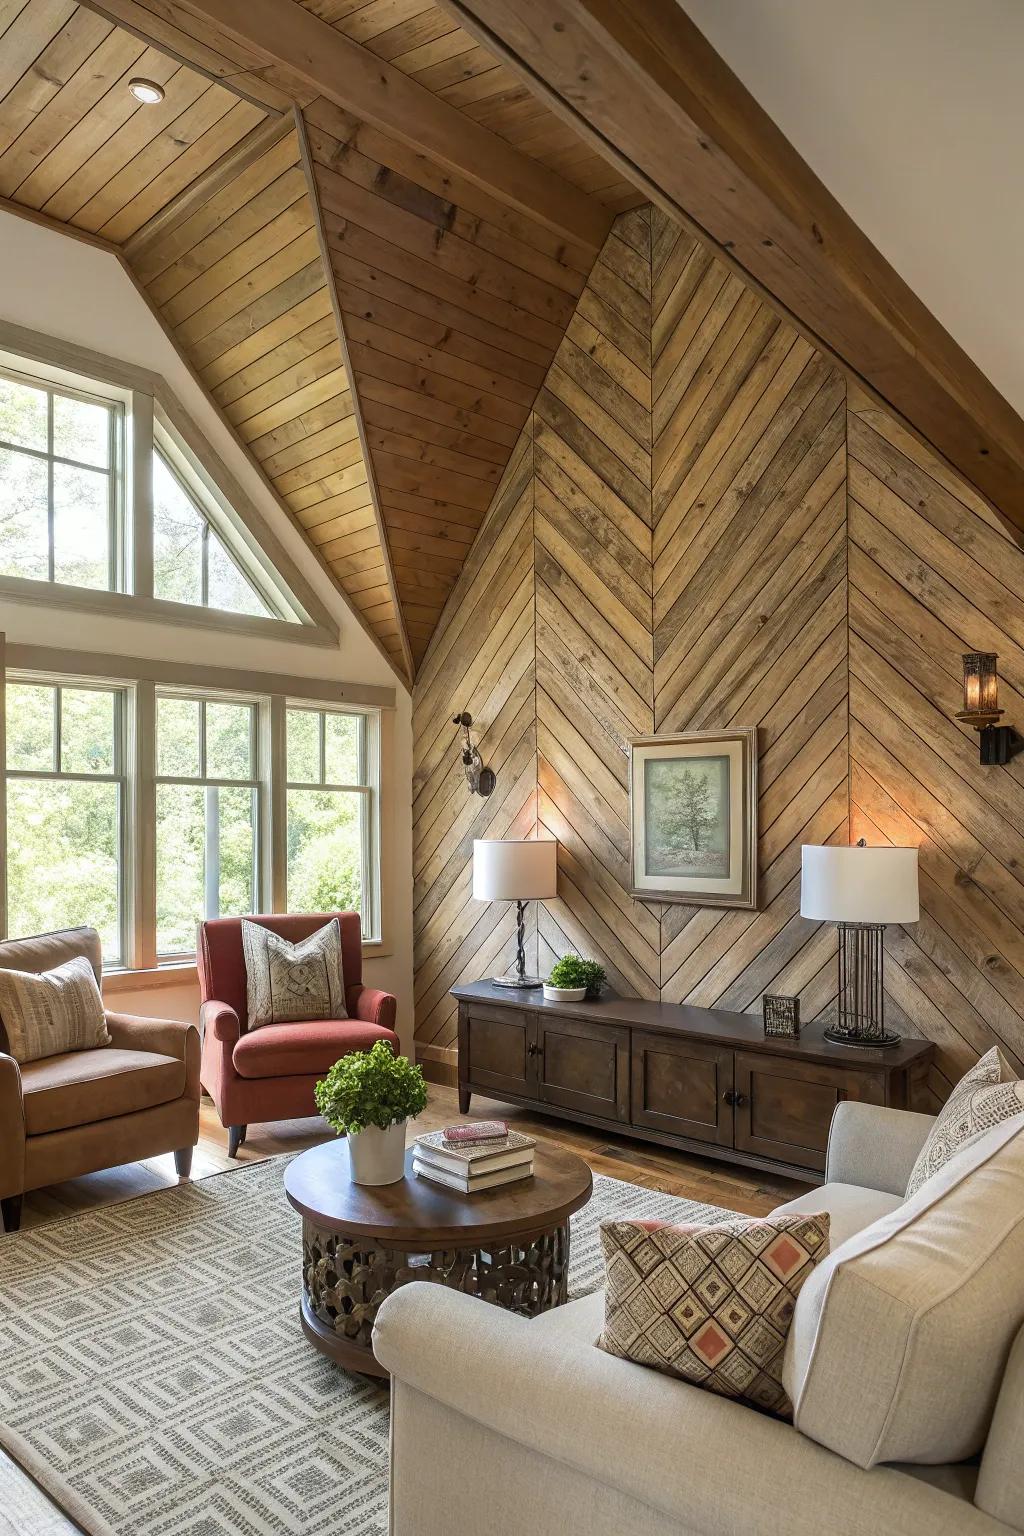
[[641, 83], [309, 50]]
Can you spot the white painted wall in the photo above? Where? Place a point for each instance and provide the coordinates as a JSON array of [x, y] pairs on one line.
[[912, 114], [64, 288]]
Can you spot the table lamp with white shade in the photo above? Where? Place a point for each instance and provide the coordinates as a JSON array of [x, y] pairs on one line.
[[519, 870], [860, 890]]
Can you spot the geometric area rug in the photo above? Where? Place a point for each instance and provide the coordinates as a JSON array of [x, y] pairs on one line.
[[154, 1380]]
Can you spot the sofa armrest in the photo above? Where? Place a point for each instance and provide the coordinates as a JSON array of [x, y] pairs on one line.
[[12, 1128], [166, 1037], [875, 1147], [372, 1006], [221, 1021], [709, 1463]]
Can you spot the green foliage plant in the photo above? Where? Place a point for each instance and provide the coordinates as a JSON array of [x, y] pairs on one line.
[[370, 1088], [574, 971]]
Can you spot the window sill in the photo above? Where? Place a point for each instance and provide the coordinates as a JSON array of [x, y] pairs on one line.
[[184, 975]]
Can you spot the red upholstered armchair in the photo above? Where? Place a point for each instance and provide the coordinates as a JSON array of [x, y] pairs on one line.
[[268, 1073]]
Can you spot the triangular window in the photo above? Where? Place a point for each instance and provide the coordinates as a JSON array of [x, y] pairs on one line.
[[191, 560]]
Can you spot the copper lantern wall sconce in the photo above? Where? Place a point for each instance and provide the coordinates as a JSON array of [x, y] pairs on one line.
[[981, 709]]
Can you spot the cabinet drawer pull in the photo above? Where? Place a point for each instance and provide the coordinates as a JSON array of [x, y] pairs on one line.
[[534, 1049], [739, 1098], [729, 1096]]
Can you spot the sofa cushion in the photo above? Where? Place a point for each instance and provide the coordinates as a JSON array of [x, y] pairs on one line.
[[80, 1087], [1000, 1490], [850, 1208], [901, 1335], [711, 1305], [49, 1012], [297, 1050], [986, 1094], [579, 1321], [286, 981]]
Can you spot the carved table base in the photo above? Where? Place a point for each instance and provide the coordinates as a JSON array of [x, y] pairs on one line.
[[345, 1278]]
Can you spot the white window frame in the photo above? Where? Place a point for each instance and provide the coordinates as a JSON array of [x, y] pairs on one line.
[[91, 394], [120, 777], [153, 419], [368, 788], [137, 762], [256, 783]]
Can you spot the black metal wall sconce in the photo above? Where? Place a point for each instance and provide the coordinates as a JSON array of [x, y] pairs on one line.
[[481, 780], [981, 709]]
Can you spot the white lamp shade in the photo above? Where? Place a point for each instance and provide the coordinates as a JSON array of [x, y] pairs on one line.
[[859, 885], [508, 869]]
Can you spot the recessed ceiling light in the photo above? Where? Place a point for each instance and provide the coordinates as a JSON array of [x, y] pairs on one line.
[[146, 91]]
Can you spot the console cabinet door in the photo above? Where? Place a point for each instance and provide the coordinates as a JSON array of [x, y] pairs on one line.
[[784, 1108], [683, 1087], [500, 1047], [583, 1066]]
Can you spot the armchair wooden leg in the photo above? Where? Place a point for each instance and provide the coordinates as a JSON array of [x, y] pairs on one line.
[[236, 1135], [11, 1208], [183, 1162]]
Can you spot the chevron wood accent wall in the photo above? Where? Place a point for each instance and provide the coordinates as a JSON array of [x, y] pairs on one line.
[[703, 530], [933, 575], [750, 604]]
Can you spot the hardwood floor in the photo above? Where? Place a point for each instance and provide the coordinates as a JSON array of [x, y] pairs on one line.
[[676, 1173]]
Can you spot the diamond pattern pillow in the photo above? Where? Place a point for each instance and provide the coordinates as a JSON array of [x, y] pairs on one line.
[[712, 1305], [984, 1096], [290, 983]]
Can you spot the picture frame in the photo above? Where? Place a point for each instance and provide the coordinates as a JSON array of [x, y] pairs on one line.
[[781, 1016], [693, 818]]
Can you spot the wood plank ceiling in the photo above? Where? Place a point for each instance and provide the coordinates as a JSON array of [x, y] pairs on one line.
[[373, 325]]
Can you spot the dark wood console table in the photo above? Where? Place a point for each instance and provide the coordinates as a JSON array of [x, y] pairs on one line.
[[701, 1079]]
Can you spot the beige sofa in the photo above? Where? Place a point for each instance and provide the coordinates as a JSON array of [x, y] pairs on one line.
[[505, 1425]]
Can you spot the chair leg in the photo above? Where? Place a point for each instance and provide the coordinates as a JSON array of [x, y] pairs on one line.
[[236, 1135], [11, 1208], [183, 1162]]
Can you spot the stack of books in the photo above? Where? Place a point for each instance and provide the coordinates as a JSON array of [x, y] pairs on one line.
[[474, 1157]]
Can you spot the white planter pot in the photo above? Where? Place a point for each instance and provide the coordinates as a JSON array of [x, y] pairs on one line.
[[378, 1157], [564, 994]]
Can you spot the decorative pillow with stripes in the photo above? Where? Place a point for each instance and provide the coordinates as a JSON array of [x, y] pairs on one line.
[[712, 1305], [47, 1012], [290, 983]]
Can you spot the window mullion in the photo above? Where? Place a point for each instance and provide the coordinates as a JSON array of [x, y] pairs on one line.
[[138, 487], [51, 562], [142, 827], [274, 818]]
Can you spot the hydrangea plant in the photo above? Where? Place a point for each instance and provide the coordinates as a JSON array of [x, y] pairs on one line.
[[373, 1087]]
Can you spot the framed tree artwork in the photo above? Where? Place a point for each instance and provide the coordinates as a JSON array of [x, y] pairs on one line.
[[693, 817]]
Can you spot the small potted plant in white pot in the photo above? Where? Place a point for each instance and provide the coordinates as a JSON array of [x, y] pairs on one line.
[[568, 980], [368, 1096]]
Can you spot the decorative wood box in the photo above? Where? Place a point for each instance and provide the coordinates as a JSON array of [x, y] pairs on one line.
[[701, 1079]]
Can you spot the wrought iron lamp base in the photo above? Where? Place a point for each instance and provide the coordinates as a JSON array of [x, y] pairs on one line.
[[861, 1019], [519, 978]]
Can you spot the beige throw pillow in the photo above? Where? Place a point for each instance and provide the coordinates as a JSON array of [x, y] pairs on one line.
[[711, 1305], [48, 1012], [290, 983], [900, 1338], [984, 1096]]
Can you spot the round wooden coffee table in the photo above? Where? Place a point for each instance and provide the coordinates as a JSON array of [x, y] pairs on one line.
[[360, 1242]]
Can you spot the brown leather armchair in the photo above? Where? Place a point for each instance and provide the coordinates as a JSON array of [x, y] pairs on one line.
[[66, 1115]]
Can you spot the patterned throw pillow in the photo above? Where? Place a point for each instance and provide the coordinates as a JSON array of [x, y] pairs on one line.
[[47, 1012], [710, 1304], [289, 983], [984, 1096]]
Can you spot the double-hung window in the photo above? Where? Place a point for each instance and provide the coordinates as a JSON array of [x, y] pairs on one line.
[[66, 810], [332, 813], [207, 814], [61, 463]]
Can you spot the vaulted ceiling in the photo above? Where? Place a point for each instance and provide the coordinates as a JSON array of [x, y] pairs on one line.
[[369, 280]]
